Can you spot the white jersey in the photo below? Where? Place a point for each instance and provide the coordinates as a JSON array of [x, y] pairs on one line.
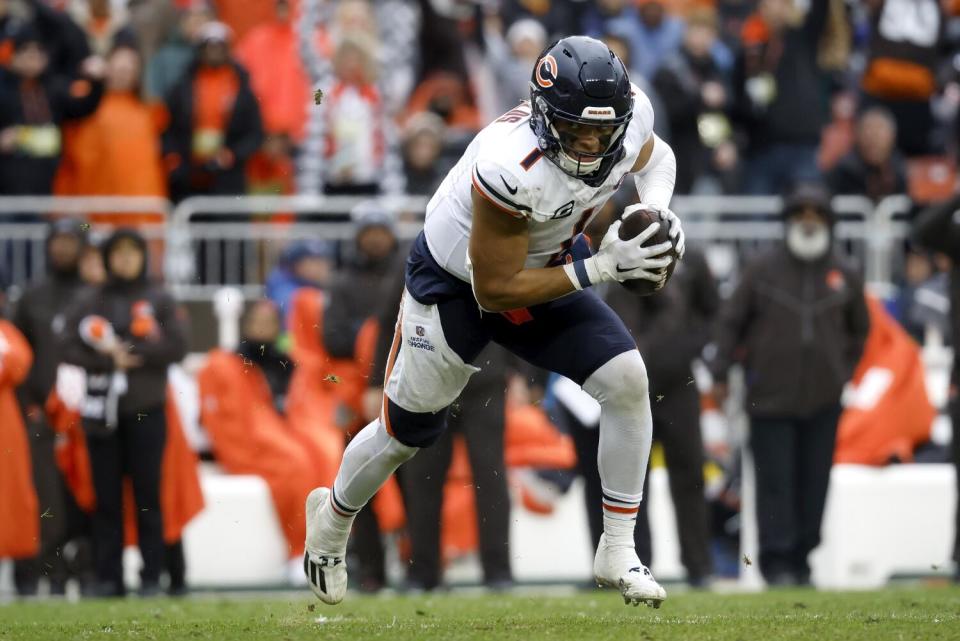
[[505, 165]]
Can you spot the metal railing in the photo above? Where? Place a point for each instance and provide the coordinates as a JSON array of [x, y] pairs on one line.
[[23, 225], [214, 241]]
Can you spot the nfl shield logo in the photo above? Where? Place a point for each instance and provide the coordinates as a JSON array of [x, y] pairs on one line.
[[420, 330]]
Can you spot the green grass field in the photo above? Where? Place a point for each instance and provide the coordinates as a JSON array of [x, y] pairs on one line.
[[908, 614]]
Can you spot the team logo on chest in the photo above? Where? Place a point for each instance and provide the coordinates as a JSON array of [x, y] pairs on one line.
[[546, 71], [563, 210]]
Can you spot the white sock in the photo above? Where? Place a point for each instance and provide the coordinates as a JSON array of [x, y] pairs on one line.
[[369, 460], [626, 433]]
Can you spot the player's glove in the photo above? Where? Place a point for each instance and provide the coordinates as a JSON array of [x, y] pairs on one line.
[[619, 260], [676, 230]]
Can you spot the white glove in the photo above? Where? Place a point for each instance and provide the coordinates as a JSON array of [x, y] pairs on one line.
[[676, 231], [619, 260]]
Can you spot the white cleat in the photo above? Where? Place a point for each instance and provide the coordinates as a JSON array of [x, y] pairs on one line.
[[620, 567], [324, 561]]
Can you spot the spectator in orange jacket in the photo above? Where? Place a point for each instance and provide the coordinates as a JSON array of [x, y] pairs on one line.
[[19, 514], [116, 151], [241, 398], [215, 122], [448, 96], [271, 54]]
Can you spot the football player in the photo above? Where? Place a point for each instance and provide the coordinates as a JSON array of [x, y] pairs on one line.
[[502, 257]]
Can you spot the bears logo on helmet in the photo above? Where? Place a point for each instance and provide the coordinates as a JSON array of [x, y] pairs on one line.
[[546, 71]]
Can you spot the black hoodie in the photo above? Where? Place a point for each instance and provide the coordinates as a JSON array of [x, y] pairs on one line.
[[799, 327], [40, 318], [38, 108], [144, 316]]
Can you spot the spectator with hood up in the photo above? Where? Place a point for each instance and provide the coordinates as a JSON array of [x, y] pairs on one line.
[[64, 40], [124, 335], [34, 104], [798, 321], [357, 290], [40, 318]]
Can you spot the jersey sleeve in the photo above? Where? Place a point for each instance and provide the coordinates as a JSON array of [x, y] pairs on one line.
[[642, 122], [502, 188]]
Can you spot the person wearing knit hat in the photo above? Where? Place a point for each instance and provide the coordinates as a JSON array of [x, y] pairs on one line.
[[303, 263], [800, 287]]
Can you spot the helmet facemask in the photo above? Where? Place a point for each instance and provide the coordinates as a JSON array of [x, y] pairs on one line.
[[561, 132]]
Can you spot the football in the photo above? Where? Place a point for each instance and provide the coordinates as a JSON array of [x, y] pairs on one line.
[[632, 226]]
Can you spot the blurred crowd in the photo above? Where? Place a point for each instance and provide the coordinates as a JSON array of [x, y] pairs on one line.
[[184, 97], [178, 98]]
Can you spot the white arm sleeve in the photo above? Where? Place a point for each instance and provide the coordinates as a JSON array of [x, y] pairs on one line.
[[655, 181]]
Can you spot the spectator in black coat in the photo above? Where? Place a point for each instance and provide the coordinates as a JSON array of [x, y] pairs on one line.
[[260, 328], [34, 103], [779, 98], [904, 67], [798, 321], [938, 229], [125, 334], [65, 41], [40, 318], [875, 167], [215, 125], [697, 98], [9, 25]]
